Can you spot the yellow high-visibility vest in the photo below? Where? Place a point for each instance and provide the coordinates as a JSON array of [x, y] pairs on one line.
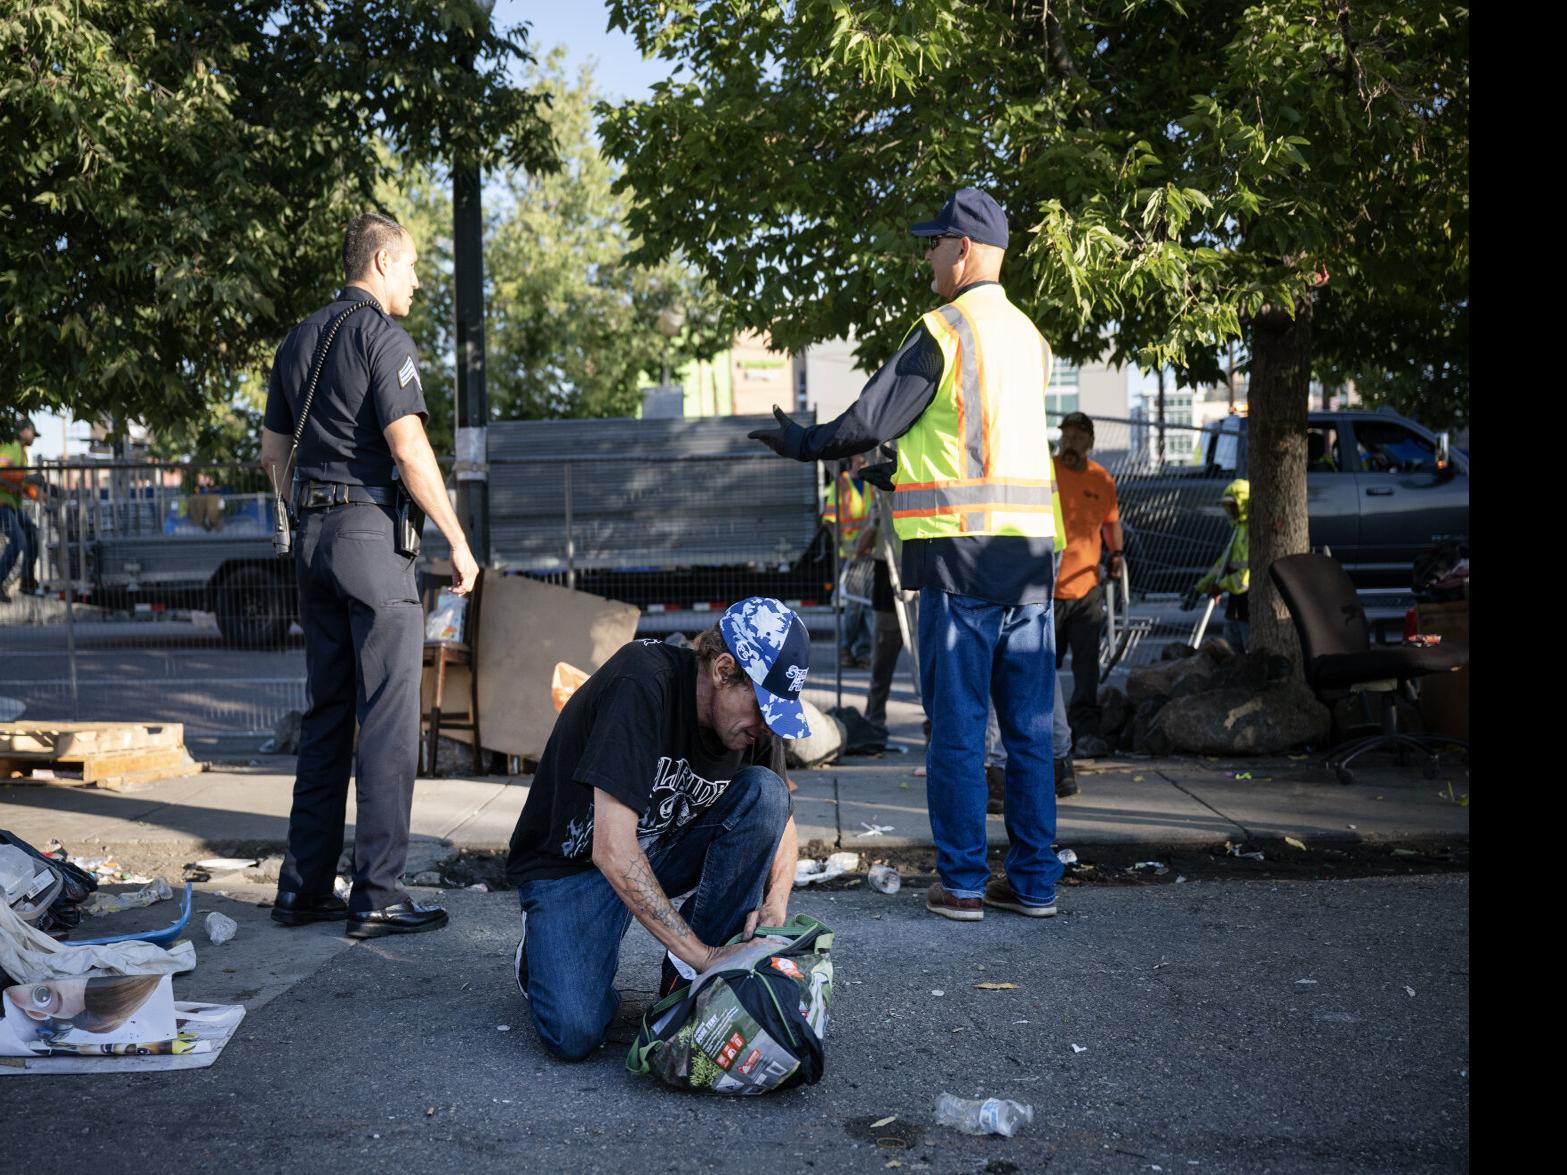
[[12, 488], [977, 461], [856, 509]]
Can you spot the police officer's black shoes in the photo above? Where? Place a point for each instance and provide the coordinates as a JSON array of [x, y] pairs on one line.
[[296, 909], [408, 917]]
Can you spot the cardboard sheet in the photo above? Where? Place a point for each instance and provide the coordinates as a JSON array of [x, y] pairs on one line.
[[525, 628]]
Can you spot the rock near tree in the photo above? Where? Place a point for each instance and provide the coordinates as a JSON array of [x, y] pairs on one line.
[[1241, 721], [1168, 679]]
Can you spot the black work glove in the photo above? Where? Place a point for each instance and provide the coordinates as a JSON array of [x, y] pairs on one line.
[[1190, 599], [880, 476], [786, 440]]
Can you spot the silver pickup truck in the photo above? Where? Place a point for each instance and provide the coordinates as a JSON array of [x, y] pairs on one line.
[[1381, 490]]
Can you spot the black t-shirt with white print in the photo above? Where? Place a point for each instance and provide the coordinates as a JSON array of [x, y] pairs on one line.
[[631, 730]]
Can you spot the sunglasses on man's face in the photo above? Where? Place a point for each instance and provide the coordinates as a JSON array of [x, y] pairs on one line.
[[930, 244]]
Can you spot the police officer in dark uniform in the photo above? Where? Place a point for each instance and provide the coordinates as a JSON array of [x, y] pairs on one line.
[[358, 601]]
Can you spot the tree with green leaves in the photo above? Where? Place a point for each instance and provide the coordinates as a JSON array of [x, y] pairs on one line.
[[178, 174], [570, 323], [1291, 173]]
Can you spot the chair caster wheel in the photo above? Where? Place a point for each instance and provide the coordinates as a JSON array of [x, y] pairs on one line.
[[1431, 768], [1345, 775]]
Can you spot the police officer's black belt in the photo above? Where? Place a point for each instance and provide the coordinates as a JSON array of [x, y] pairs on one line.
[[314, 494]]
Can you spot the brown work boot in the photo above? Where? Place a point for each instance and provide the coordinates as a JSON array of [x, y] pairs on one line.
[[996, 786], [939, 901], [1000, 894]]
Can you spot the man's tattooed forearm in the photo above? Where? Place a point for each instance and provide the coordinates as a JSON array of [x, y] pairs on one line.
[[651, 899]]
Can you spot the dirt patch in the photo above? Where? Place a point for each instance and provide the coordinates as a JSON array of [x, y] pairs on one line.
[[1129, 864]]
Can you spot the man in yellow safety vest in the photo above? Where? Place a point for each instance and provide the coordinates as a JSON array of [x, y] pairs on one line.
[[18, 535], [972, 502], [856, 636]]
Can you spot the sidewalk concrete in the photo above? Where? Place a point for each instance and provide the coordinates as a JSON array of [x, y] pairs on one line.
[[1157, 802]]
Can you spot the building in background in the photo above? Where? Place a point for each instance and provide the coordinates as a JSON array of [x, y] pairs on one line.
[[750, 377], [1167, 438]]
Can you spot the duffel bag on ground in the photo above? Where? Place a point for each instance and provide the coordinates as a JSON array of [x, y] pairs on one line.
[[752, 1025]]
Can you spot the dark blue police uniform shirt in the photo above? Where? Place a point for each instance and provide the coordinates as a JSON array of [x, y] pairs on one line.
[[371, 379]]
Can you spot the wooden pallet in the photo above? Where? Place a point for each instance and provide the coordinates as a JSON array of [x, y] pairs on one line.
[[75, 740], [117, 756]]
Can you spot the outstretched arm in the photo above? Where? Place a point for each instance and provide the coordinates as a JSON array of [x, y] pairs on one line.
[[888, 406]]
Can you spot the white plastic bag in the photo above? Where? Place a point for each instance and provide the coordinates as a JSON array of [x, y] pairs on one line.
[[446, 619]]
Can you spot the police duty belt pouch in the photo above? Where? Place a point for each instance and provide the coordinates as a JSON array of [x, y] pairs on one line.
[[408, 523], [752, 1025]]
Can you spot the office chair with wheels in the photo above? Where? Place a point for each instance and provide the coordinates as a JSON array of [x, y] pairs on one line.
[[1340, 661]]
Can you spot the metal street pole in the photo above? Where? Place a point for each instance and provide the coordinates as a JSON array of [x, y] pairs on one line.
[[473, 407], [473, 401]]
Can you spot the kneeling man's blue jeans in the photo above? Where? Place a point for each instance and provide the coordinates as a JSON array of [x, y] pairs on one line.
[[973, 651], [574, 924]]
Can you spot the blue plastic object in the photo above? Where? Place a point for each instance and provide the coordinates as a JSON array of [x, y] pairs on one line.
[[157, 937]]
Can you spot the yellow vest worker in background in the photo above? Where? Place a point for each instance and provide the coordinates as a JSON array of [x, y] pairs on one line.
[[18, 535], [857, 635], [1088, 504], [1231, 572], [965, 396]]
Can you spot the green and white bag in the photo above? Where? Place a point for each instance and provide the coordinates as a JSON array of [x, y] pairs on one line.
[[752, 1025]]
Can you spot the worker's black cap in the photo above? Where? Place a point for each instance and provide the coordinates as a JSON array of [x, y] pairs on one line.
[[1078, 420], [970, 213]]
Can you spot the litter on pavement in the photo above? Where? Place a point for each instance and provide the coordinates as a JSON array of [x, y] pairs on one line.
[[101, 1004], [227, 864], [220, 928], [157, 890], [884, 879]]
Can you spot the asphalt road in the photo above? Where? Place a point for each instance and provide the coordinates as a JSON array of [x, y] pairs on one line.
[[1222, 1026]]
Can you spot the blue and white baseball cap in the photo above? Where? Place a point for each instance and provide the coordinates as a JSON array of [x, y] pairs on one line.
[[772, 647]]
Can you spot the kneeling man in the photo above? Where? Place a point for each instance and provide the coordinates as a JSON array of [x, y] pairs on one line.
[[664, 774]]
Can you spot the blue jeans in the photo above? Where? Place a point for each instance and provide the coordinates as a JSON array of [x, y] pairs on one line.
[[574, 924], [20, 543], [973, 651], [1060, 731]]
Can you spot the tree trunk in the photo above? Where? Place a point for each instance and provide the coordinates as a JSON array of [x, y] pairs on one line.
[[1278, 398]]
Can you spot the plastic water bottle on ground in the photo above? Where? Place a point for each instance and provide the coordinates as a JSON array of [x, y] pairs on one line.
[[220, 928], [884, 879], [993, 1115]]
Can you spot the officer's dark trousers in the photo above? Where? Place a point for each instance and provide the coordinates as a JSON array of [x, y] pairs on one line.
[[359, 607]]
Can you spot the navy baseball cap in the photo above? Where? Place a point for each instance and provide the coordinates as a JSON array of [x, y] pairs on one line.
[[970, 213], [772, 647]]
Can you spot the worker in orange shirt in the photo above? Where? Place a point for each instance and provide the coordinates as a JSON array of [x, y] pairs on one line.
[[1092, 516]]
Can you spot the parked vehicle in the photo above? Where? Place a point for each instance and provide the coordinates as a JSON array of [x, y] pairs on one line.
[[210, 551], [1381, 490]]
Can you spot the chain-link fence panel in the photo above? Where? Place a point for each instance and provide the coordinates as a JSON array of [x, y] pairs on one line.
[[160, 597]]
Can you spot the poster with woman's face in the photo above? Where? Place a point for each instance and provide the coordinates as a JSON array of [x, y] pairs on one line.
[[116, 1009]]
